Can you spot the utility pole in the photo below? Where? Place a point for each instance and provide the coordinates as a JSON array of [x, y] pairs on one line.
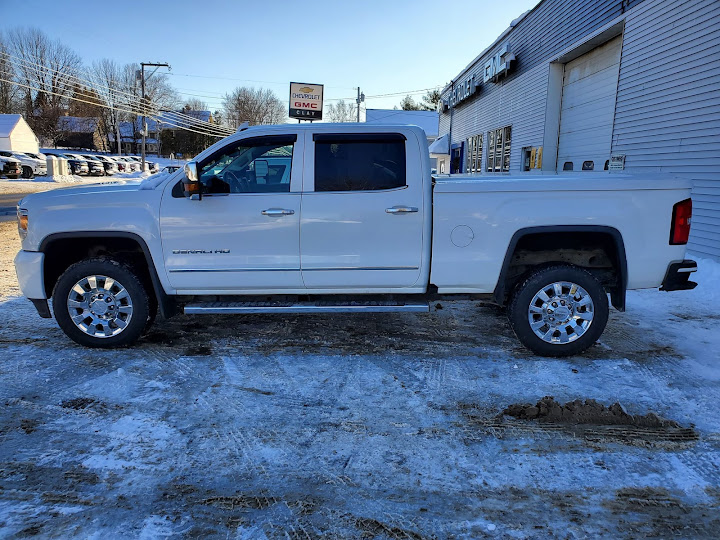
[[359, 100], [144, 105]]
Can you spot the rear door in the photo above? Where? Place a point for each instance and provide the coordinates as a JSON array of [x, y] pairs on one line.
[[362, 211]]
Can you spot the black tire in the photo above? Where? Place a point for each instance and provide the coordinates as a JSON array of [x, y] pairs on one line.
[[519, 311], [27, 172], [122, 274]]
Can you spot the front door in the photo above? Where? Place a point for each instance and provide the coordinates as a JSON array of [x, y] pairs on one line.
[[362, 212], [243, 236]]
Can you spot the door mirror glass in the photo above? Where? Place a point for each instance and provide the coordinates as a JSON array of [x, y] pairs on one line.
[[191, 183]]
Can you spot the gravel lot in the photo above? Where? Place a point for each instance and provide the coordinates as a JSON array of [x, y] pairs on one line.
[[363, 426]]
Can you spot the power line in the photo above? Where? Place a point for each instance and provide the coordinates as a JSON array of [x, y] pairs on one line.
[[171, 122], [132, 104]]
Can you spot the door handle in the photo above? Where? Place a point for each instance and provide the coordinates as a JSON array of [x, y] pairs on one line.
[[401, 209], [277, 212]]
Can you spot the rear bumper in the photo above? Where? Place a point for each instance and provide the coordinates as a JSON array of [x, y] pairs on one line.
[[677, 277]]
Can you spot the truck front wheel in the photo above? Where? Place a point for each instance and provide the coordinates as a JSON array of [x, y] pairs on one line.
[[27, 172], [559, 310], [101, 303]]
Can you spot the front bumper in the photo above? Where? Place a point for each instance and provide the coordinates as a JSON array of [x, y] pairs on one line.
[[677, 277], [29, 270]]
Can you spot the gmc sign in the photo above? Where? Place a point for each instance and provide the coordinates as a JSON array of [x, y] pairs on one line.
[[306, 101]]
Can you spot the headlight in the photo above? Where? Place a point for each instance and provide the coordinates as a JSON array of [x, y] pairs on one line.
[[22, 217]]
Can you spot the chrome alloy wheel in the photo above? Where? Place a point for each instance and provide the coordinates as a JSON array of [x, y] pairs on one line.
[[100, 306], [561, 312]]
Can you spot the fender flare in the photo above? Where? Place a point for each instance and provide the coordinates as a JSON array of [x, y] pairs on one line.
[[166, 304], [617, 297]]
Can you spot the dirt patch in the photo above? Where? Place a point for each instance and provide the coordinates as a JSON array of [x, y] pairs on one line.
[[585, 412], [198, 350], [80, 475], [28, 425], [256, 391], [587, 420], [655, 512], [372, 528], [83, 403], [240, 501]]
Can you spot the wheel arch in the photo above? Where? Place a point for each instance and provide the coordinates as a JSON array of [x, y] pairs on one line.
[[81, 244], [557, 234]]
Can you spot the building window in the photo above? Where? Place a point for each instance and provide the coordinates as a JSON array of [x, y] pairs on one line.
[[498, 150], [568, 166], [588, 165], [473, 155], [526, 158]]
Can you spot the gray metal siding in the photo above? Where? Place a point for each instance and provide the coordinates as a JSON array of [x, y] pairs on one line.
[[519, 99], [519, 103], [667, 116]]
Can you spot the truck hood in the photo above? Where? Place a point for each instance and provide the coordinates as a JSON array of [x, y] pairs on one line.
[[72, 193]]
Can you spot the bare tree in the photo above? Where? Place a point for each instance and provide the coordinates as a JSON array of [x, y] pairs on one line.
[[253, 105], [194, 104], [159, 95], [47, 67], [8, 91], [341, 112], [106, 76]]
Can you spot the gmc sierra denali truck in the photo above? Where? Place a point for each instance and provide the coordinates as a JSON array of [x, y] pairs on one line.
[[326, 218]]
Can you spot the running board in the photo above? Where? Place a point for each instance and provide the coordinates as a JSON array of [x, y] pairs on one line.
[[230, 308]]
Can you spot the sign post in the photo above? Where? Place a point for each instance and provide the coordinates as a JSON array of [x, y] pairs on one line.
[[306, 101]]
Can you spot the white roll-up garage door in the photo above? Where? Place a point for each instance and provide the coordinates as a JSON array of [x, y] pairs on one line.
[[588, 108]]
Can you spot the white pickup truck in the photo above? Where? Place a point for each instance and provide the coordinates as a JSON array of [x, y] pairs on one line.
[[347, 218]]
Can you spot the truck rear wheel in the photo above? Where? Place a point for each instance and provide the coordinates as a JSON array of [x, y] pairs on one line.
[[559, 310], [27, 172], [101, 303]]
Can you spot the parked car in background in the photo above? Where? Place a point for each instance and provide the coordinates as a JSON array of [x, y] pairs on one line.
[[130, 165], [121, 165], [95, 166], [10, 167], [111, 166], [169, 169], [41, 169], [152, 166], [77, 166], [29, 166]]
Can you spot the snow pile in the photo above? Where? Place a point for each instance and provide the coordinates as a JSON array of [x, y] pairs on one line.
[[65, 178]]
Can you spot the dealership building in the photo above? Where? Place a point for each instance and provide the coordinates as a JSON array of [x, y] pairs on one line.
[[596, 85]]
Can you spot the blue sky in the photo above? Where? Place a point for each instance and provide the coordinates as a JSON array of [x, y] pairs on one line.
[[384, 46]]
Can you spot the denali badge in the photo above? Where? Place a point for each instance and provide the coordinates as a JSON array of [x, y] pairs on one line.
[[199, 251]]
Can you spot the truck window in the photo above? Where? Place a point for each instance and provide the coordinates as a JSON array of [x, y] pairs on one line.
[[359, 162], [259, 165]]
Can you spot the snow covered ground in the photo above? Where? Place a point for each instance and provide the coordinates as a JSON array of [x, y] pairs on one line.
[[365, 426]]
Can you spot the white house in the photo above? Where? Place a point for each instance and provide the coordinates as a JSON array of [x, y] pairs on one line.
[[16, 135]]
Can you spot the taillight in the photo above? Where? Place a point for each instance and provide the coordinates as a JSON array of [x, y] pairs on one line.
[[680, 226]]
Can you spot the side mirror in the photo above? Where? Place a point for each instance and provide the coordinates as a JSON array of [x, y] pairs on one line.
[[193, 189]]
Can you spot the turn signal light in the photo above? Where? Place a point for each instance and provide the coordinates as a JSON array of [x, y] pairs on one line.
[[22, 218], [681, 217]]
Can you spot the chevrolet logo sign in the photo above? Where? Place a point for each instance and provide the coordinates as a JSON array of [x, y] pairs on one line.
[[306, 89]]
